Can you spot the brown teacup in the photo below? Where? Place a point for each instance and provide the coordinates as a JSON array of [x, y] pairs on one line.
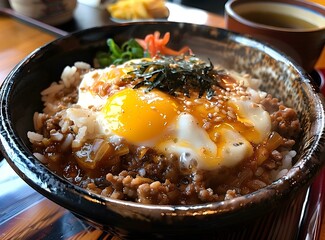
[[295, 27]]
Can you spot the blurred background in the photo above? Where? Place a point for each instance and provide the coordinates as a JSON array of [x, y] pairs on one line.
[[215, 6], [90, 13], [74, 15]]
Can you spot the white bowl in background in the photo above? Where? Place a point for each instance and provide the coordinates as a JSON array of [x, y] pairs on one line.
[[53, 12]]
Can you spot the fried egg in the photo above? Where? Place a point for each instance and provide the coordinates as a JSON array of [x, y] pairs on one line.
[[204, 134]]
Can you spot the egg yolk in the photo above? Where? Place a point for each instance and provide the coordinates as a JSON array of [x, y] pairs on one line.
[[138, 116]]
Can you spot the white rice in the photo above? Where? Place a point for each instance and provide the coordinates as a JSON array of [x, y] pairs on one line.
[[82, 65], [34, 137], [40, 157], [69, 76], [286, 165]]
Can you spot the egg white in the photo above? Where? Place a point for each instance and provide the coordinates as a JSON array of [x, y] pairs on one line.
[[184, 137]]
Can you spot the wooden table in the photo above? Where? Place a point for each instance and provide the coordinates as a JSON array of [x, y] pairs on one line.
[[17, 40]]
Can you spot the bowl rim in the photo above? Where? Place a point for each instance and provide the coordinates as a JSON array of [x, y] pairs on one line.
[[28, 168], [317, 8]]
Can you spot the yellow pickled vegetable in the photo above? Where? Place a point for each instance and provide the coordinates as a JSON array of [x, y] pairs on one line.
[[138, 9]]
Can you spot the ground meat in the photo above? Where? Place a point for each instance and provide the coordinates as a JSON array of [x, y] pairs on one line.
[[284, 120], [155, 187], [140, 174], [270, 104], [52, 123]]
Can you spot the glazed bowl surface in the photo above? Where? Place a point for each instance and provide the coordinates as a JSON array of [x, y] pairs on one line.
[[20, 98], [302, 43]]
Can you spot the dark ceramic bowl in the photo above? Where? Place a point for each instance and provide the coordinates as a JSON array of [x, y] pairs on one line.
[[247, 216]]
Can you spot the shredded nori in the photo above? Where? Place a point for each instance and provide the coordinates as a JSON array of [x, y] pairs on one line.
[[177, 74]]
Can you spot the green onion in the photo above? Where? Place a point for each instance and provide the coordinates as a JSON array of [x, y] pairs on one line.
[[119, 54]]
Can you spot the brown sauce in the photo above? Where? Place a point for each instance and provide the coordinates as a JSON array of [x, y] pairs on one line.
[[278, 20]]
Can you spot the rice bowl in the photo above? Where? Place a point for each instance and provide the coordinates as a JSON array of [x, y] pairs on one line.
[[127, 218]]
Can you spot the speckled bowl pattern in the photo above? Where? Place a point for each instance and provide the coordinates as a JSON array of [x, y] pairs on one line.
[[20, 98]]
